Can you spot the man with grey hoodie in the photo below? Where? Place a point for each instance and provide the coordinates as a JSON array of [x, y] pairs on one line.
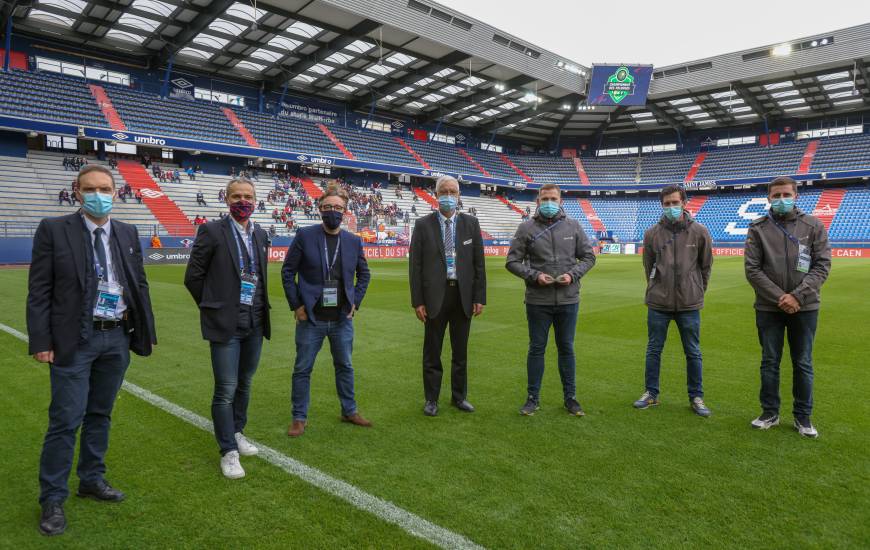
[[677, 259], [551, 253]]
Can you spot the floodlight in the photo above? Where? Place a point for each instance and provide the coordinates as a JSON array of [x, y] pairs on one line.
[[782, 50]]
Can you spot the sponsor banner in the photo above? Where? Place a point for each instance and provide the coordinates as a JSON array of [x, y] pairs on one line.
[[727, 251], [167, 255], [311, 113], [850, 252]]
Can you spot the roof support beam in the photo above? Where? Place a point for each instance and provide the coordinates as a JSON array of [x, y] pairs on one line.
[[749, 99], [546, 107], [663, 116], [477, 97], [865, 76], [198, 24]]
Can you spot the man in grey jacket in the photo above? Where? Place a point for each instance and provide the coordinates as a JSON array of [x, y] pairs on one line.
[[551, 253], [787, 260], [677, 259]]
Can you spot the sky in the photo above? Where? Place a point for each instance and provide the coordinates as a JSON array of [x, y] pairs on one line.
[[661, 32]]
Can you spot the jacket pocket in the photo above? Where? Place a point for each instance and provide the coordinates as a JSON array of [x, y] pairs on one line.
[[211, 305]]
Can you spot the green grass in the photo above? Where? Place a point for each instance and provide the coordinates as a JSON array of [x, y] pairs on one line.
[[616, 478]]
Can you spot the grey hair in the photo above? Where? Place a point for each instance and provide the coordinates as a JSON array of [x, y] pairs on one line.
[[245, 181], [87, 169], [442, 180]]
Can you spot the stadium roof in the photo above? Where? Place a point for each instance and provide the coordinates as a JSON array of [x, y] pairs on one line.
[[418, 58]]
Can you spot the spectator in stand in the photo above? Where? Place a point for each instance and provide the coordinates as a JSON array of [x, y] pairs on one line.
[[155, 242], [139, 196], [176, 176], [222, 195], [190, 173], [262, 207], [200, 199], [66, 165], [197, 169], [62, 196], [272, 231], [113, 163]]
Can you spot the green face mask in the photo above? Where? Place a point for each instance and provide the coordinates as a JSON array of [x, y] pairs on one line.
[[673, 213]]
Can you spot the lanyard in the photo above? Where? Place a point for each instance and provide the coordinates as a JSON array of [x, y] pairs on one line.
[[541, 234], [330, 265], [791, 237], [252, 268]]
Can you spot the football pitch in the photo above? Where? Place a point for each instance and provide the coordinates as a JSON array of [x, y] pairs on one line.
[[617, 478]]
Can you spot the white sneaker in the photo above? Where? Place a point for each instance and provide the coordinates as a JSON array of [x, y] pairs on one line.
[[230, 465], [766, 421], [245, 447], [805, 428]]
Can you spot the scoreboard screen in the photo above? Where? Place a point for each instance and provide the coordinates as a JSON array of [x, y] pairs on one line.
[[619, 84]]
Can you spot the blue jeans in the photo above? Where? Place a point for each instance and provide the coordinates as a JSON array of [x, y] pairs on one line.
[[82, 394], [309, 339], [689, 325], [563, 319], [801, 327], [233, 364]]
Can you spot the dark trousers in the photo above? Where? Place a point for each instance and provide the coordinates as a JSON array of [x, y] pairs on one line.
[[453, 315], [563, 319], [233, 364], [82, 395], [689, 325], [801, 328]]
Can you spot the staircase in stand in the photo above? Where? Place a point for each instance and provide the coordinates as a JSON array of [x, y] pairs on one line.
[[423, 194], [829, 203], [240, 127], [311, 189], [591, 215], [581, 171], [413, 153], [105, 104], [473, 162], [515, 168], [693, 171], [511, 205], [335, 141], [809, 155], [695, 203], [170, 216]]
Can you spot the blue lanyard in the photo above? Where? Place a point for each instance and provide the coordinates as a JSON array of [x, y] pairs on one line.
[[541, 234], [330, 265], [791, 237], [252, 266]]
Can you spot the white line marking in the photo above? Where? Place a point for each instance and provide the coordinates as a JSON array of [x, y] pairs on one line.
[[383, 509]]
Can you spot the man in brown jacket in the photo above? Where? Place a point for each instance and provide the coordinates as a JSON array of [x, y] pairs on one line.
[[787, 260], [677, 258]]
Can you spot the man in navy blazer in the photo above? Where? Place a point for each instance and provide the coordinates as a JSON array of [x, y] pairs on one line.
[[325, 276], [88, 306]]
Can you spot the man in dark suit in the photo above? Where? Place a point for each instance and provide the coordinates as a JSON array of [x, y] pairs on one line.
[[226, 275], [448, 286], [88, 306], [318, 276]]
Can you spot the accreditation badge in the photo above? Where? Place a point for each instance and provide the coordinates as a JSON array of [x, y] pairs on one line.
[[108, 300], [330, 294], [249, 287], [803, 260]]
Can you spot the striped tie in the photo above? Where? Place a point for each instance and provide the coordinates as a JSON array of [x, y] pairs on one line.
[[449, 248]]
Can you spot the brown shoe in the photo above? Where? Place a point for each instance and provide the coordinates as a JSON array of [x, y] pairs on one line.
[[297, 428], [357, 420]]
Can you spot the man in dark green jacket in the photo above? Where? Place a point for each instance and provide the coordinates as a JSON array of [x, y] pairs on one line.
[[551, 253], [787, 260], [677, 259]]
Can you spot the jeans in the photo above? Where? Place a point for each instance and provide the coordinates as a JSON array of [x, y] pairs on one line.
[[233, 364], [82, 395], [563, 318], [801, 328], [689, 324], [309, 339]]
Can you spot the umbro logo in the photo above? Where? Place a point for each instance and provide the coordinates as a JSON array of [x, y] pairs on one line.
[[182, 83], [120, 136], [156, 256]]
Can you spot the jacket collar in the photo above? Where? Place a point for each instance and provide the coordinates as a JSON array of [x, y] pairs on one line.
[[549, 221], [787, 217], [684, 221]]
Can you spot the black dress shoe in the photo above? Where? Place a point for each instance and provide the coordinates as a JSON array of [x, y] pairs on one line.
[[464, 406], [431, 408], [52, 521], [100, 491]]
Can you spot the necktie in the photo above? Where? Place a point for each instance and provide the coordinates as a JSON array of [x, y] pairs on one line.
[[100, 252], [448, 237]]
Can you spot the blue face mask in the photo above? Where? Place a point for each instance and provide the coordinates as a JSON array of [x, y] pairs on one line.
[[97, 205], [447, 203], [673, 213], [548, 209], [782, 206]]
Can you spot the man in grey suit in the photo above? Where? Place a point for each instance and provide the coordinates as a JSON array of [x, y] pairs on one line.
[[448, 287]]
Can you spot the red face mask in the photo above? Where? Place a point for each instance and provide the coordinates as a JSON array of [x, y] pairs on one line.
[[241, 210]]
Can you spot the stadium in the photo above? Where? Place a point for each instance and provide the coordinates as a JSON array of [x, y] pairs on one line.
[[174, 98]]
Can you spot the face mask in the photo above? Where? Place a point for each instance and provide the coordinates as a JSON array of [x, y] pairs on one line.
[[673, 213], [782, 206], [548, 209], [447, 203], [241, 210], [331, 219], [97, 205]]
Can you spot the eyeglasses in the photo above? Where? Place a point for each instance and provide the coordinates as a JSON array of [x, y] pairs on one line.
[[332, 207]]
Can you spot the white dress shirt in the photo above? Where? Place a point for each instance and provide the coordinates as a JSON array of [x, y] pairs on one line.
[[110, 271]]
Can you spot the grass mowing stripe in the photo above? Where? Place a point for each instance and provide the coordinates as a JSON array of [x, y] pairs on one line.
[[385, 510]]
